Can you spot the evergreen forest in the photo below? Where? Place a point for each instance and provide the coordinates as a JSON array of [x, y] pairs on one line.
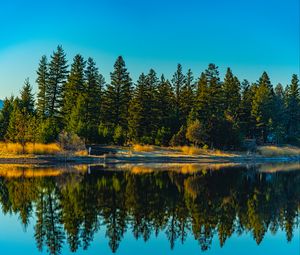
[[203, 111]]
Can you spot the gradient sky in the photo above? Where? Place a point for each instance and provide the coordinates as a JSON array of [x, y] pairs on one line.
[[250, 36]]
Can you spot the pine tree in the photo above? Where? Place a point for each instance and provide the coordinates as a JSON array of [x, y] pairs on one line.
[[57, 77], [216, 97], [293, 107], [27, 98], [178, 81], [151, 104], [142, 112], [139, 119], [201, 104], [93, 86], [42, 81], [18, 125], [136, 120], [231, 88], [84, 118], [215, 104], [247, 122], [187, 96], [118, 95], [20, 119], [263, 106], [5, 115], [74, 86], [33, 128], [78, 123], [165, 105], [279, 113]]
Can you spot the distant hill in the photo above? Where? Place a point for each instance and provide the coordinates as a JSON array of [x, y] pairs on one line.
[[1, 104]]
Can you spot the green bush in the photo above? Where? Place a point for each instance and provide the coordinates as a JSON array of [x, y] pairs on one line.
[[179, 139], [105, 134], [195, 133], [48, 131], [119, 135], [163, 137], [70, 141]]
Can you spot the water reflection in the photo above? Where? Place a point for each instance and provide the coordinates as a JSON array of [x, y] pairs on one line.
[[70, 205]]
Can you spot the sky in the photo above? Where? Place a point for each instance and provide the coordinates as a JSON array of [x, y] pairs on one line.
[[250, 36]]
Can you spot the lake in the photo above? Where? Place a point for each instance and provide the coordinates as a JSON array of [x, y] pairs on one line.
[[150, 209]]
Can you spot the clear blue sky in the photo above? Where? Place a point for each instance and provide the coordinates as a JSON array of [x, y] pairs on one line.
[[250, 36]]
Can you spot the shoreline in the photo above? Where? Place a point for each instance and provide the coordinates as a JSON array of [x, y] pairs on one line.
[[119, 159]]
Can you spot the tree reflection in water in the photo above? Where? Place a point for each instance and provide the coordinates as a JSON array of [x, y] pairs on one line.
[[72, 206]]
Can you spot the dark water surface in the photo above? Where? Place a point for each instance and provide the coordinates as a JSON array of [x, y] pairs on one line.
[[150, 209]]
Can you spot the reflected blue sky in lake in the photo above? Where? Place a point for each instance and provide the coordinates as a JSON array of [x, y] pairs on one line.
[[14, 239]]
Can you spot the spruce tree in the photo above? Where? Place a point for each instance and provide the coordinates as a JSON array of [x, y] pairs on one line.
[[85, 116], [279, 114], [151, 104], [178, 81], [5, 115], [118, 95], [216, 97], [231, 88], [33, 128], [143, 117], [201, 103], [247, 122], [42, 81], [18, 124], [165, 105], [187, 96], [58, 71], [93, 90], [74, 86], [137, 121], [293, 108], [78, 123], [21, 116], [27, 98], [263, 107], [215, 104]]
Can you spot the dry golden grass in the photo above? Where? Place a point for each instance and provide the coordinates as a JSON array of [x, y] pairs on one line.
[[52, 148], [10, 148], [81, 153], [192, 150], [143, 148], [274, 151], [38, 149], [221, 153]]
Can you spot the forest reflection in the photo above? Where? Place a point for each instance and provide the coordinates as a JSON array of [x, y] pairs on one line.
[[71, 206]]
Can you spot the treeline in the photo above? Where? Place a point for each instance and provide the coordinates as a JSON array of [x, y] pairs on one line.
[[206, 111], [206, 206]]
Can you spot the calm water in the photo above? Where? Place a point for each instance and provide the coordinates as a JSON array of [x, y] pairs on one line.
[[150, 209]]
